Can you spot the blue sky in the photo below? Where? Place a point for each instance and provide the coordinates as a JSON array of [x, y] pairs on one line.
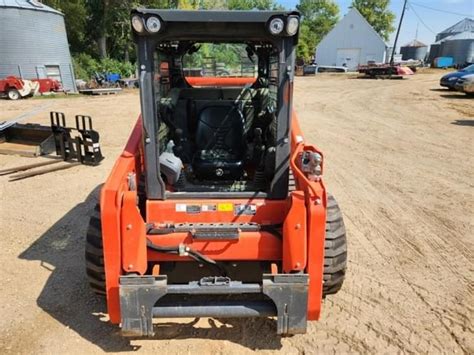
[[434, 21]]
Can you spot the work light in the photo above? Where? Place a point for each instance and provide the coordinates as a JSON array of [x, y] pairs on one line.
[[276, 26], [153, 24], [292, 26], [137, 23]]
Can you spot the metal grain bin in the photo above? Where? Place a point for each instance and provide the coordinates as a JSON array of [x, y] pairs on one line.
[[466, 25], [33, 42], [435, 49], [414, 50], [460, 47]]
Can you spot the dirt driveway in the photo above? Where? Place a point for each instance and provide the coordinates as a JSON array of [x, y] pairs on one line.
[[399, 157]]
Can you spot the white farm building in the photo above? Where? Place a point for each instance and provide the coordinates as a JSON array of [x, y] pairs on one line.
[[352, 42]]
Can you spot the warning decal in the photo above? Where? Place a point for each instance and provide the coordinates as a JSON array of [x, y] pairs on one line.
[[245, 210], [225, 207], [208, 208], [193, 208], [180, 207]]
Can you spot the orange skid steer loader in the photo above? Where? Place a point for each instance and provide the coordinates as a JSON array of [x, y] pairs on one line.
[[216, 207]]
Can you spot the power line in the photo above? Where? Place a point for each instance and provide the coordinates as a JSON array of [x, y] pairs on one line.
[[419, 18], [439, 10]]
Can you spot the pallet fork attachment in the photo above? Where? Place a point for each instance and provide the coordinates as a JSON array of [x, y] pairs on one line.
[[84, 147], [74, 146]]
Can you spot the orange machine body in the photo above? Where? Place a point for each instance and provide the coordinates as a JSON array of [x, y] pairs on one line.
[[302, 215]]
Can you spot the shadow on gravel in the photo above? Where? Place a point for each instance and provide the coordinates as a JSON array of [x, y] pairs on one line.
[[459, 96], [463, 123], [367, 77], [443, 90], [67, 298]]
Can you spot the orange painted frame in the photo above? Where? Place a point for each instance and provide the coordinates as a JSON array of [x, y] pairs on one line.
[[316, 201], [130, 161], [111, 205], [267, 211], [219, 81]]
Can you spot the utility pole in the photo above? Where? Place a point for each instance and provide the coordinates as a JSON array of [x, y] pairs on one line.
[[398, 32]]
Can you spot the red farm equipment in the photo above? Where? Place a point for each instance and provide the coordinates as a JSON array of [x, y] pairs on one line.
[[15, 88]]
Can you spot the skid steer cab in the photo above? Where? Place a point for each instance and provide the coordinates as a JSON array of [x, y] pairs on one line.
[[216, 207]]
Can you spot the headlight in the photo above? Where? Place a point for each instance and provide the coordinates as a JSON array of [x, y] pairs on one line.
[[452, 78], [292, 26], [276, 26], [137, 23], [153, 24]]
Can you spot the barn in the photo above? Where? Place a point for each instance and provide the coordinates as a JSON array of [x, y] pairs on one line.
[[33, 43], [352, 42]]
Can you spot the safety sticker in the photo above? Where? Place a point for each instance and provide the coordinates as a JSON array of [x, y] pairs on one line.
[[245, 210], [180, 207], [208, 208], [193, 208], [225, 207]]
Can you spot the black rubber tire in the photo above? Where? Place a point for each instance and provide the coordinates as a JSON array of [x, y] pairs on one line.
[[95, 269], [335, 249]]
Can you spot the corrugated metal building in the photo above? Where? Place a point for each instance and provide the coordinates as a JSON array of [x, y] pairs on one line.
[[352, 42], [415, 50], [457, 41], [460, 47], [466, 25], [435, 50], [33, 42]]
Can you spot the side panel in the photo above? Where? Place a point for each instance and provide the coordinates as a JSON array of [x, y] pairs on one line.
[[133, 237], [110, 207], [315, 199], [294, 235]]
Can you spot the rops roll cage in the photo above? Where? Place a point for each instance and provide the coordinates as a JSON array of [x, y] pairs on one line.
[[153, 27]]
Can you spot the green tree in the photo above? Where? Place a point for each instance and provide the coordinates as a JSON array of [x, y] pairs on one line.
[[213, 4], [318, 18], [75, 18], [252, 4], [378, 14], [109, 25]]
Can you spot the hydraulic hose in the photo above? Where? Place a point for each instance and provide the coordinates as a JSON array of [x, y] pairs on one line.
[[184, 250]]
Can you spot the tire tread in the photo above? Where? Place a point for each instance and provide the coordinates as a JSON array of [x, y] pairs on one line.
[[94, 254], [335, 249]]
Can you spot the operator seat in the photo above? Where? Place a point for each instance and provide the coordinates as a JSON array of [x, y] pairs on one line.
[[219, 142]]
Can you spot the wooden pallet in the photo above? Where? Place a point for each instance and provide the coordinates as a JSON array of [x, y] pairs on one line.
[[102, 91]]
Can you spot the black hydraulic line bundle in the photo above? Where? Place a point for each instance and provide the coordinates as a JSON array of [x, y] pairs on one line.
[[184, 250]]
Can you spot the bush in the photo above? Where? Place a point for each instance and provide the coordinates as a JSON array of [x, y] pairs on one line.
[[125, 69], [85, 66]]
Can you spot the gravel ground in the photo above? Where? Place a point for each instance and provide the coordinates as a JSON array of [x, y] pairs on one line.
[[399, 160]]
